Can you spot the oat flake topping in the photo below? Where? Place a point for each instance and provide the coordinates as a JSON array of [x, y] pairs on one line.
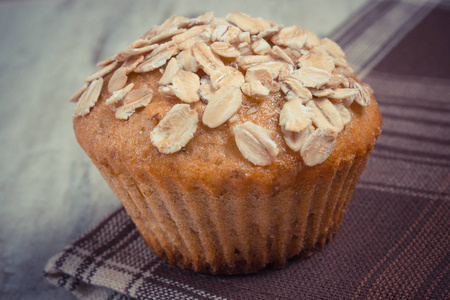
[[176, 129], [256, 143], [216, 66]]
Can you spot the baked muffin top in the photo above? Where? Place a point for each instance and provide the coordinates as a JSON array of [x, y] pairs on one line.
[[239, 90]]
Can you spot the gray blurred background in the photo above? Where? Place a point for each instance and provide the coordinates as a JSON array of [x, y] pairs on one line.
[[50, 192]]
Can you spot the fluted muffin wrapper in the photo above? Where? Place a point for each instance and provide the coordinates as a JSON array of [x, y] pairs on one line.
[[231, 229]]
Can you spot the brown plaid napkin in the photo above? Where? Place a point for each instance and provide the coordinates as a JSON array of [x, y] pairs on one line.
[[395, 238]]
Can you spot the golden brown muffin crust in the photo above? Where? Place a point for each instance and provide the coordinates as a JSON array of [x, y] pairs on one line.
[[212, 152]]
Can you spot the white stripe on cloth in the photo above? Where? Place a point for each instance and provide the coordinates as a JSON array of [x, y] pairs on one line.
[[367, 50], [353, 23], [414, 87], [109, 276], [398, 190]]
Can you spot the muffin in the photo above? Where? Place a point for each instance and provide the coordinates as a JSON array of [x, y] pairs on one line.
[[233, 143]]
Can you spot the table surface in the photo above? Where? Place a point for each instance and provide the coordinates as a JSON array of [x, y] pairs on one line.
[[50, 192]]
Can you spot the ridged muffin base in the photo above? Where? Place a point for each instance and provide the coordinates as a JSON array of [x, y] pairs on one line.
[[237, 226]]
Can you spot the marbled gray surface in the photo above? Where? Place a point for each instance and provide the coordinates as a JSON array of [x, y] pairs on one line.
[[50, 192]]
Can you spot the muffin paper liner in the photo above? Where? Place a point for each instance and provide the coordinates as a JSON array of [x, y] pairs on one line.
[[231, 228]]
